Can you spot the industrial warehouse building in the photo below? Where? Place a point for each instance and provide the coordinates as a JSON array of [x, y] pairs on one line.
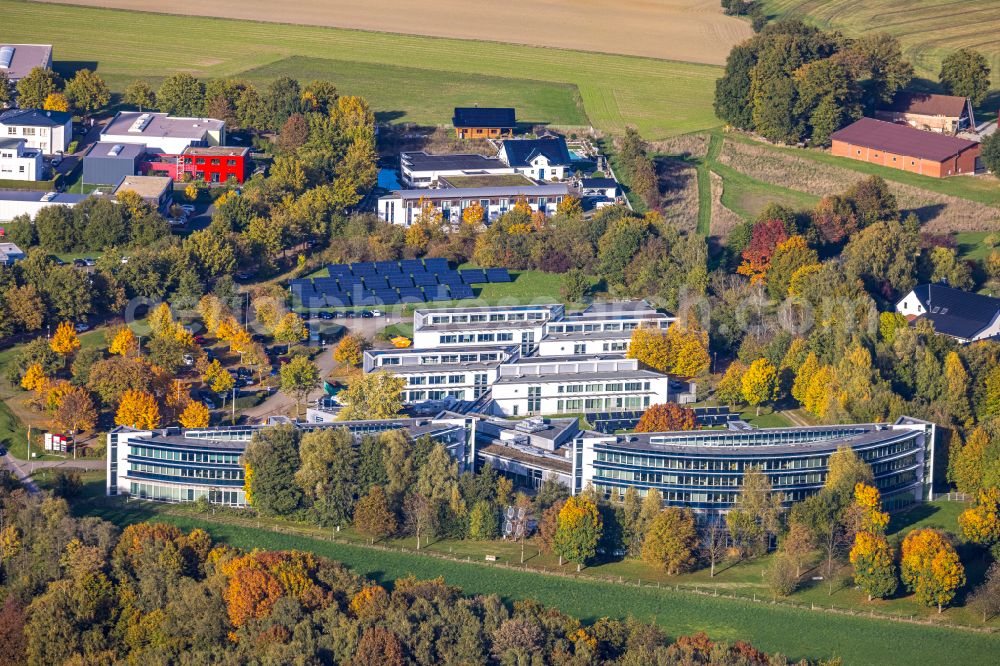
[[902, 147]]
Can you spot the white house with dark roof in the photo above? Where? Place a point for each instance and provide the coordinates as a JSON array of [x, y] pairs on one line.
[[163, 133], [540, 159], [419, 170], [962, 315], [17, 60], [48, 131], [18, 162]]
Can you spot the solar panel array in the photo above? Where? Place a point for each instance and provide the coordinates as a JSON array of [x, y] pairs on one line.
[[392, 283]]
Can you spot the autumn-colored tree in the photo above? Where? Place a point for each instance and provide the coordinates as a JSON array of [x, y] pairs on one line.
[[268, 311], [803, 376], [789, 256], [473, 214], [369, 603], [349, 351], [760, 383], [957, 378], [671, 541], [51, 393], [666, 417], [845, 470], [227, 328], [968, 461], [819, 391], [372, 515], [56, 102], [797, 544], [33, 378], [161, 320], [764, 240], [874, 567], [218, 378], [730, 388], [756, 512], [375, 395], [869, 501], [256, 581], [570, 207], [931, 568], [291, 329], [65, 341], [578, 531], [76, 413], [688, 350], [138, 409], [298, 378], [124, 342], [981, 523], [651, 347], [195, 415]]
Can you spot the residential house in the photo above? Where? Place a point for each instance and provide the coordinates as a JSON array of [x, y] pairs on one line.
[[483, 123], [17, 60], [420, 170], [18, 162], [902, 147], [404, 206], [540, 159], [49, 131], [962, 315], [163, 134], [949, 114]]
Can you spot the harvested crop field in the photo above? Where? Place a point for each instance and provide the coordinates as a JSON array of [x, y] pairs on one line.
[[928, 29], [688, 30], [660, 98], [940, 213]]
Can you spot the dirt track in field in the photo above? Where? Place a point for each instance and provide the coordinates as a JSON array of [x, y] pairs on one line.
[[687, 30]]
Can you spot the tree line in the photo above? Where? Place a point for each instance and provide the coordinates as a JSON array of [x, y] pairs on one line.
[[79, 591]]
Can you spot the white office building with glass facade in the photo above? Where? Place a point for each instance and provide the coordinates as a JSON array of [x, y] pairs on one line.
[[178, 465], [459, 373]]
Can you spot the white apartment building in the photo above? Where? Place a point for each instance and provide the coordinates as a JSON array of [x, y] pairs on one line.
[[163, 133], [21, 202], [461, 373], [501, 325], [404, 206], [18, 162], [573, 385], [600, 329], [48, 131]]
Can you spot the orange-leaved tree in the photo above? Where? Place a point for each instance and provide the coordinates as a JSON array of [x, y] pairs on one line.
[[257, 580], [65, 341], [138, 409], [124, 342], [33, 377], [981, 523], [931, 568], [665, 417], [349, 351]]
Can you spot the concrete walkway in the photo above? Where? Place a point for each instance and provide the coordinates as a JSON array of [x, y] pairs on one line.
[[23, 469]]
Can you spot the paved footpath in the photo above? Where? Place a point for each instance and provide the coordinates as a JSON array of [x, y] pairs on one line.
[[23, 468]]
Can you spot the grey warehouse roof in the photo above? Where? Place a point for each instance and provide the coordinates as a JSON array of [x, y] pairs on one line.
[[128, 151], [25, 57], [162, 125]]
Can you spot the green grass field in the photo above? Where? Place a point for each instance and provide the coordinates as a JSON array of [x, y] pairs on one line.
[[928, 29], [400, 74], [858, 640]]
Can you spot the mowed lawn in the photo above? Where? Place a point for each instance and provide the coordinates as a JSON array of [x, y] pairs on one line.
[[795, 633], [659, 97], [928, 29]]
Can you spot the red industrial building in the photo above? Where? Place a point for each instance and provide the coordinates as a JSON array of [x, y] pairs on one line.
[[213, 164]]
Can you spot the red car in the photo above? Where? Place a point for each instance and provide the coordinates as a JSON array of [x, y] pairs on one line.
[[200, 339]]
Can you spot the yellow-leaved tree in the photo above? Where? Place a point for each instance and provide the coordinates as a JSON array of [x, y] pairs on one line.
[[473, 214], [578, 531], [195, 415], [33, 377], [290, 329], [651, 347], [161, 320], [349, 351], [138, 409], [65, 341], [760, 382], [931, 568], [981, 523], [375, 395], [124, 343]]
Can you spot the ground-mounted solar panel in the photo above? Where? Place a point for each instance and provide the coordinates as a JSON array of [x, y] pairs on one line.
[[462, 291], [436, 264], [410, 265], [400, 281], [411, 295], [388, 297], [424, 279], [449, 277], [339, 269], [473, 276], [339, 300], [300, 281], [497, 275], [439, 293], [375, 283]]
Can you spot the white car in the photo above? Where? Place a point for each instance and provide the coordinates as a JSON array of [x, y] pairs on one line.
[[376, 313], [188, 360], [81, 327]]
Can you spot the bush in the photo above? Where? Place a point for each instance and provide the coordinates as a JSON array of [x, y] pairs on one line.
[[251, 400], [67, 484], [73, 145]]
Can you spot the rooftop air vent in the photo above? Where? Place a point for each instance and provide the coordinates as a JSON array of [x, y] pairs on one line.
[[140, 123], [116, 150]]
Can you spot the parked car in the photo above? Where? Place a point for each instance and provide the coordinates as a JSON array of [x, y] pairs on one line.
[[79, 263], [243, 372], [377, 313], [367, 314], [326, 315], [200, 339], [89, 262], [81, 327], [188, 360], [208, 402]]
